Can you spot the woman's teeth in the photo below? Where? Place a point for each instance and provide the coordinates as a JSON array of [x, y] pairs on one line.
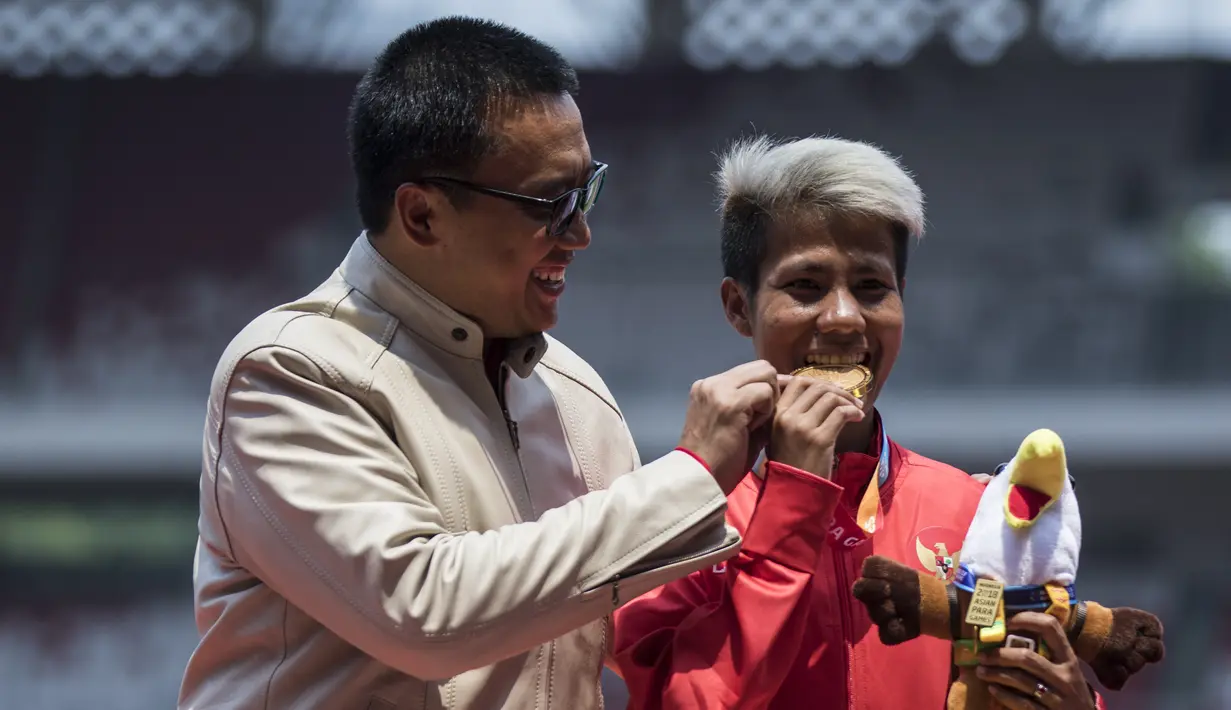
[[814, 359], [555, 275]]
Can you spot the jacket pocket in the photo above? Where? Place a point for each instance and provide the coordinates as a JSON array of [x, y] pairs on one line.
[[380, 704]]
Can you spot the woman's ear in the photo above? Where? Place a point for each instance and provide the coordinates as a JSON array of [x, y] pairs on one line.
[[737, 304]]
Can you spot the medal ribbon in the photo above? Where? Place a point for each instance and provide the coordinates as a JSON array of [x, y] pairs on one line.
[[869, 512]]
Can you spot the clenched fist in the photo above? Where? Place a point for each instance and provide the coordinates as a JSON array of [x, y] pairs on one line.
[[724, 412], [809, 415]]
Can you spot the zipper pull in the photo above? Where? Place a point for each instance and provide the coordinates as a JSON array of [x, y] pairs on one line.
[[513, 432]]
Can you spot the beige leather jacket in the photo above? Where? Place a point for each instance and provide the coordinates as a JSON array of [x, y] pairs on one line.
[[377, 531]]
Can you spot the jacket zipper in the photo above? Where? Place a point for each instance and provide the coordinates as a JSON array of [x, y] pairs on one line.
[[839, 560], [547, 673], [503, 379], [504, 409], [602, 659], [646, 567]]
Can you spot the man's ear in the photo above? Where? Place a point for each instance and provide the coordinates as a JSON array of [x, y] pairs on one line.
[[738, 307], [415, 208]]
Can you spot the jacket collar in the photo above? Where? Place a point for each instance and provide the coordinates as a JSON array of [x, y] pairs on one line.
[[369, 273], [854, 470]]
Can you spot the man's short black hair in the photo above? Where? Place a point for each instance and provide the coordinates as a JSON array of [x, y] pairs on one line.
[[745, 235], [427, 102]]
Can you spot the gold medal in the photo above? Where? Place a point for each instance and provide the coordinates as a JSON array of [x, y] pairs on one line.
[[855, 379]]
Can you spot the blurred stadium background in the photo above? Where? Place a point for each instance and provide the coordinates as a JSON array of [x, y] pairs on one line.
[[170, 168]]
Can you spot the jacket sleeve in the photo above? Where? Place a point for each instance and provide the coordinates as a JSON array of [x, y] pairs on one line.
[[320, 504], [727, 638]]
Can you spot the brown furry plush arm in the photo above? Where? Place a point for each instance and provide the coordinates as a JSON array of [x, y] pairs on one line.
[[901, 602], [904, 604], [1117, 643]]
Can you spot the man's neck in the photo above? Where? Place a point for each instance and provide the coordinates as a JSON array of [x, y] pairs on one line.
[[428, 276], [416, 267], [856, 437], [494, 351]]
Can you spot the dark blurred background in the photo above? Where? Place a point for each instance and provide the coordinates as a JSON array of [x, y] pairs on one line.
[[171, 168]]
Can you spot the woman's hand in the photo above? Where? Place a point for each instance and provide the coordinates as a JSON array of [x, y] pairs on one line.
[[809, 415], [1023, 680]]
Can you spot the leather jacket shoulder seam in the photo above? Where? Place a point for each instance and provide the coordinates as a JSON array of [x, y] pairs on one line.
[[564, 372]]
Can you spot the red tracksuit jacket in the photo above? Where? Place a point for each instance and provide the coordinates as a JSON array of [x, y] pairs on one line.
[[778, 627]]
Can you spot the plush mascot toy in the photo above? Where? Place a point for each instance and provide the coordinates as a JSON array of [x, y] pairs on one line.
[[1020, 554]]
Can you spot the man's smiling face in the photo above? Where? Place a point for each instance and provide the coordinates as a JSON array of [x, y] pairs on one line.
[[509, 266]]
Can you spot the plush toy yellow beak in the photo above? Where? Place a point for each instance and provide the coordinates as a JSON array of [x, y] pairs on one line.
[[1036, 478]]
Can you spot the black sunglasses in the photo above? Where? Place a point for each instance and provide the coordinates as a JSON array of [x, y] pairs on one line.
[[564, 208]]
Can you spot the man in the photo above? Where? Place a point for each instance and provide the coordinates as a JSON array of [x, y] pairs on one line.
[[814, 249], [409, 495]]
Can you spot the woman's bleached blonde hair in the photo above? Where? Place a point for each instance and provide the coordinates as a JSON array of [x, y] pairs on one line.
[[760, 178]]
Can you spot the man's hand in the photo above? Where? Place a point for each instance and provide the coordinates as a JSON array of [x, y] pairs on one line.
[[723, 411], [807, 420], [1023, 680]]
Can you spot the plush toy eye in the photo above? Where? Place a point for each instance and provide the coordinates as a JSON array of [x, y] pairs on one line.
[[1001, 467]]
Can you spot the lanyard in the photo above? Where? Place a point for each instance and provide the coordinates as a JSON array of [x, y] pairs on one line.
[[870, 506]]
